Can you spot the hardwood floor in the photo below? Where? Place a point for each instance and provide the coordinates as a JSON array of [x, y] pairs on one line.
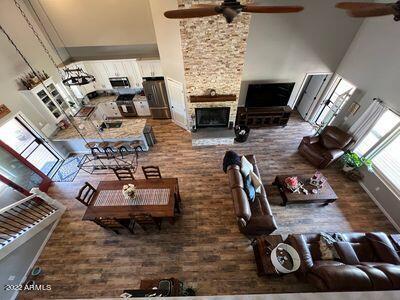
[[204, 248]]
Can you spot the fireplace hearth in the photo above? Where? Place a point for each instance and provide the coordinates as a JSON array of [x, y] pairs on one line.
[[212, 117]]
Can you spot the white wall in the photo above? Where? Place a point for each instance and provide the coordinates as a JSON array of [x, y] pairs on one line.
[[168, 39], [101, 23], [284, 47], [372, 64], [12, 65]]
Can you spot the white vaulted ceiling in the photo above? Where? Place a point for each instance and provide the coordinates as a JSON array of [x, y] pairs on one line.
[[99, 22]]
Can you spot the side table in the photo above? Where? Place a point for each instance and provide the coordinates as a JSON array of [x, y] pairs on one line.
[[262, 247]]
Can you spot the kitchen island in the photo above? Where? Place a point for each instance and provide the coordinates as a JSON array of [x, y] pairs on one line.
[[72, 142]]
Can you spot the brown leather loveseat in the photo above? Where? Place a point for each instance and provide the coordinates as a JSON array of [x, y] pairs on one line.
[[367, 261], [324, 149], [253, 218]]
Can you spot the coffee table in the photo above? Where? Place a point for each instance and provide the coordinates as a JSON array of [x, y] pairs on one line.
[[325, 195], [262, 247]]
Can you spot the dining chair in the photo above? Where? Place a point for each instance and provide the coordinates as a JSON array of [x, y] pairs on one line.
[[143, 220], [123, 173], [151, 172], [85, 194], [108, 223]]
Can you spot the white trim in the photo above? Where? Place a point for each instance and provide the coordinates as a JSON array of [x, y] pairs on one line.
[[395, 225], [14, 296], [16, 203], [386, 182], [303, 83]]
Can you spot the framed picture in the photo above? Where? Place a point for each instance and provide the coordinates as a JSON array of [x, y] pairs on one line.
[[4, 110]]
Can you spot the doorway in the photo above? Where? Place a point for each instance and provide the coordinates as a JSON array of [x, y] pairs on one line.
[[313, 87], [24, 140], [339, 92]]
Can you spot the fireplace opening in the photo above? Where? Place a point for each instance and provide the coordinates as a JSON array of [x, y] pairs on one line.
[[212, 117]]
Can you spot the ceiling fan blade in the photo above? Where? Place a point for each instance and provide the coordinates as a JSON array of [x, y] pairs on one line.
[[272, 9], [359, 5], [192, 12], [372, 12]]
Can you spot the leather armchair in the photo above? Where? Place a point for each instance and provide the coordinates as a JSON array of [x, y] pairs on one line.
[[367, 261], [324, 149]]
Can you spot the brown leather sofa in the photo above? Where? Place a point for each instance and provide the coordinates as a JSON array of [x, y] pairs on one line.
[[253, 218], [324, 149], [368, 261]]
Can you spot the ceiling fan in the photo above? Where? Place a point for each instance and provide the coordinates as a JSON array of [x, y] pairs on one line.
[[229, 9], [365, 9]]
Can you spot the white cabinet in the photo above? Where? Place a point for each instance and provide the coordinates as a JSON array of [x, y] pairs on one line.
[[109, 110], [115, 68], [50, 98], [142, 108], [101, 74], [103, 70], [150, 68], [133, 73], [80, 91]]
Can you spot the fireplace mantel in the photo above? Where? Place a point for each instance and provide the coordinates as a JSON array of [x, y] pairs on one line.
[[207, 98]]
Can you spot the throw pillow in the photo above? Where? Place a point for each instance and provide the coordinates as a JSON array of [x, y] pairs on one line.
[[256, 181], [247, 167], [327, 247], [249, 188], [231, 158]]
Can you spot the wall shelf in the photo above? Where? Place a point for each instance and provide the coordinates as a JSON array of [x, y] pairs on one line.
[[207, 98]]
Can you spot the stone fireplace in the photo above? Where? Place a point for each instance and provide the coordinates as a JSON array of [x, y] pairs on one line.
[[213, 56], [212, 117]]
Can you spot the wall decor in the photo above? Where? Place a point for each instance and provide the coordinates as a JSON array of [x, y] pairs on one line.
[[4, 110]]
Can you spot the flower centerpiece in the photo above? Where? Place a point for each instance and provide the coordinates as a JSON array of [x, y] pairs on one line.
[[129, 191], [293, 184]]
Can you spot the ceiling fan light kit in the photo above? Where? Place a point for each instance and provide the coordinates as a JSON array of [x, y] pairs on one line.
[[229, 9]]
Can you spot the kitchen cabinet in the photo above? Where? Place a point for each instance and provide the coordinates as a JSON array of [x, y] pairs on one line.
[[150, 68], [103, 70], [50, 98], [80, 91], [142, 108], [115, 68], [133, 73], [100, 72], [109, 110]]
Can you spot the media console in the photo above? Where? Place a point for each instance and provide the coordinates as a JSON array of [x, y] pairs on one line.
[[256, 117]]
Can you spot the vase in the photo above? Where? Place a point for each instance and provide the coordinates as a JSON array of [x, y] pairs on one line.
[[347, 168]]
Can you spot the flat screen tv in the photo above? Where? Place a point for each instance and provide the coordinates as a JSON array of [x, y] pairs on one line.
[[269, 94]]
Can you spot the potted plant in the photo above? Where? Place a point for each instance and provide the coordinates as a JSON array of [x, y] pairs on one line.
[[352, 163]]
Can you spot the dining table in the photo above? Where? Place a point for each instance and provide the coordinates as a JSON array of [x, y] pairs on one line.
[[159, 198]]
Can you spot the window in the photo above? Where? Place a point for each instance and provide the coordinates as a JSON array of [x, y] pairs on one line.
[[382, 145], [386, 123], [387, 162]]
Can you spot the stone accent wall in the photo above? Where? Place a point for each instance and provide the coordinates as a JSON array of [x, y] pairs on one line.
[[213, 55]]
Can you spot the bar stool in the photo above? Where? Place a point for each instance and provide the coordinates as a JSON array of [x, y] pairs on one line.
[[91, 145], [121, 147], [135, 145], [94, 148], [104, 145]]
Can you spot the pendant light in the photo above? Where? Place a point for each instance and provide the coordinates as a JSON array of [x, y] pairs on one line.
[[76, 76]]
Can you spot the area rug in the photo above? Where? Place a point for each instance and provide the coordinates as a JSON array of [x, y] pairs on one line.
[[68, 170]]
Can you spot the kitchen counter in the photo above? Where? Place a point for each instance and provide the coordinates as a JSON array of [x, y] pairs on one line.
[[72, 142], [130, 128], [102, 99]]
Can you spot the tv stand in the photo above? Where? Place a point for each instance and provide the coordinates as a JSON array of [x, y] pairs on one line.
[[257, 117]]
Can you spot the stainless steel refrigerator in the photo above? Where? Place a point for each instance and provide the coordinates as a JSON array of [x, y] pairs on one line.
[[156, 94]]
